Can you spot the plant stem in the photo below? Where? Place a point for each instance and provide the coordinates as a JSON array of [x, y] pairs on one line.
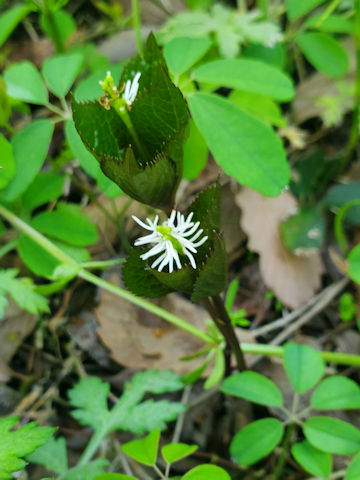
[[284, 452], [338, 224], [242, 6], [223, 322], [354, 133], [327, 12], [54, 32], [137, 25]]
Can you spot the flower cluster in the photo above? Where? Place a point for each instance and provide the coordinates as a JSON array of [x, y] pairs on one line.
[[112, 94], [170, 240]]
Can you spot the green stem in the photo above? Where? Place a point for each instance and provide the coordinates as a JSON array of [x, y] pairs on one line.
[[54, 32], [327, 12], [242, 6], [137, 25], [354, 133], [103, 264], [123, 113], [5, 249], [338, 224], [284, 452]]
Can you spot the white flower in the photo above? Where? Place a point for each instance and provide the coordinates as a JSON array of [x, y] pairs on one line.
[[131, 89], [171, 240]]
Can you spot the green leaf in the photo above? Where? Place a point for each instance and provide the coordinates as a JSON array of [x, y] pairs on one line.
[[332, 435], [64, 23], [259, 106], [249, 75], [89, 88], [354, 264], [212, 276], [183, 52], [256, 440], [46, 186], [303, 365], [5, 107], [312, 460], [218, 371], [114, 476], [353, 470], [145, 449], [24, 82], [244, 147], [177, 451], [60, 72], [340, 194], [30, 147], [296, 9], [22, 291], [336, 393], [334, 23], [274, 55], [8, 168], [304, 232], [324, 53], [253, 387], [86, 472], [207, 208], [52, 455], [195, 153], [16, 445], [206, 472], [66, 225], [10, 19], [139, 279]]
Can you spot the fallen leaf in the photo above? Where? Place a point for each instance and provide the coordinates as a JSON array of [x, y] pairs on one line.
[[293, 278]]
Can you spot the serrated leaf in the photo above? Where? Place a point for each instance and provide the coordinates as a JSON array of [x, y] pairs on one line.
[[312, 460], [179, 280], [144, 450], [207, 208], [176, 451], [24, 82], [336, 393], [60, 72], [88, 471], [22, 291], [212, 277], [17, 444], [139, 279], [30, 147], [52, 455], [253, 387], [243, 146]]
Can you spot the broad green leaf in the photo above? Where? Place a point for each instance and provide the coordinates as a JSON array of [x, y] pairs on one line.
[[114, 476], [353, 470], [17, 444], [87, 471], [176, 451], [354, 264], [206, 472], [332, 435], [52, 455], [73, 228], [22, 291], [333, 23], [249, 75], [60, 72], [340, 194], [304, 232], [312, 460], [324, 52], [296, 8], [89, 88], [244, 147], [336, 393], [218, 371], [274, 55], [5, 107], [7, 162], [144, 450], [30, 147], [256, 440], [259, 106], [303, 365], [24, 82], [45, 187], [183, 52], [253, 387], [195, 153], [64, 23], [11, 18]]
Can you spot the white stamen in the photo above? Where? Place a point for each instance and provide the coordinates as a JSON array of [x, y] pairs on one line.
[[131, 89]]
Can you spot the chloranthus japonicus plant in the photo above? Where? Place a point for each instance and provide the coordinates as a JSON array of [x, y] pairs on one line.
[[136, 130]]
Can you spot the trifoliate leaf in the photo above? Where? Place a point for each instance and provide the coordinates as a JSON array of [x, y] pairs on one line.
[[17, 444], [22, 291]]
